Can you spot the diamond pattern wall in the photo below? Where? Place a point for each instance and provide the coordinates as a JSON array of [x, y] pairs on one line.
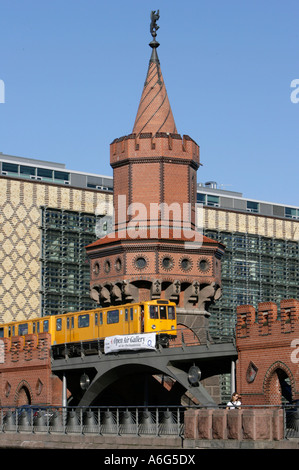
[[20, 239]]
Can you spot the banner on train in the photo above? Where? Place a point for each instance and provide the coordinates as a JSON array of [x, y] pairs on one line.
[[130, 342]]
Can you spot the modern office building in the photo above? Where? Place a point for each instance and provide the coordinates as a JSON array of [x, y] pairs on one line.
[[48, 216], [261, 261]]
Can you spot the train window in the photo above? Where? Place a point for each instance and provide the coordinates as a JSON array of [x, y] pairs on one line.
[[101, 318], [163, 314], [45, 326], [13, 331], [112, 317], [154, 311], [96, 319], [23, 329], [126, 314], [1, 332], [83, 321], [171, 313], [33, 327], [131, 314], [9, 332], [58, 324]]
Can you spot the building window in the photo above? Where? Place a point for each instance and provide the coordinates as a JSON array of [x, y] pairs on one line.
[[45, 174], [27, 171], [186, 264], [107, 267], [167, 263], [61, 176], [201, 198], [118, 264], [203, 265], [10, 168], [140, 262], [213, 200], [253, 207], [291, 213], [96, 268]]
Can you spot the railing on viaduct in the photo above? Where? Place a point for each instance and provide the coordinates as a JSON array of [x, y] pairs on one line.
[[139, 421]]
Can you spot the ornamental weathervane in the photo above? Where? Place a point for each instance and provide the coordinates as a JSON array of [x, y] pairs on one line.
[[154, 44], [154, 27]]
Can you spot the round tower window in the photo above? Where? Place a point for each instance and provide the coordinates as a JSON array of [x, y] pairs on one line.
[[107, 267], [203, 265], [140, 262], [96, 268], [167, 262], [118, 264], [186, 264]]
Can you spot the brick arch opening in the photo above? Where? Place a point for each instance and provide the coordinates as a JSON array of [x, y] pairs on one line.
[[23, 395], [278, 384]]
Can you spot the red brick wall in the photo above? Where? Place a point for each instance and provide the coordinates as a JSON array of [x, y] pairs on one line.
[[25, 372], [268, 349]]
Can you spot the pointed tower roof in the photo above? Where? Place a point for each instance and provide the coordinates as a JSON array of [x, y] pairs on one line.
[[154, 112]]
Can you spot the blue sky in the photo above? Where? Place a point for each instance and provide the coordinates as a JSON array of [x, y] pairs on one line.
[[74, 70]]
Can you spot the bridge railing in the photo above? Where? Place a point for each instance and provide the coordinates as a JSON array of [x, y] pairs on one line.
[[156, 421]]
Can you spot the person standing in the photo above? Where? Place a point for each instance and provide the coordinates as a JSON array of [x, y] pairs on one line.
[[235, 402]]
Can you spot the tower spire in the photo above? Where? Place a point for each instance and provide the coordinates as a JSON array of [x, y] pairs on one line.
[[154, 112]]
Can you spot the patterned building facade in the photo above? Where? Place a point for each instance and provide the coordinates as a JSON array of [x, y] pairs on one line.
[[25, 253]]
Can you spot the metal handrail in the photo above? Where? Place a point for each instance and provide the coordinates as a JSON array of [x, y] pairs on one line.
[[157, 421], [140, 420]]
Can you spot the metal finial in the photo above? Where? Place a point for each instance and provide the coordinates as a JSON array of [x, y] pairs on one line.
[[154, 27]]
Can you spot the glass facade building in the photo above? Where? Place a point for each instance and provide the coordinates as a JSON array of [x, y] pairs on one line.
[[254, 269], [64, 264]]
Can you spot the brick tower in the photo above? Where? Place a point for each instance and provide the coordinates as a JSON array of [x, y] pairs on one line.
[[155, 249]]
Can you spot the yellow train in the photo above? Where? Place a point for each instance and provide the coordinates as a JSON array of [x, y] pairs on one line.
[[93, 326]]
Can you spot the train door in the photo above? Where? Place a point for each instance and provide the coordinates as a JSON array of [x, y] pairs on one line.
[[163, 317], [129, 321], [152, 319], [70, 329], [142, 318]]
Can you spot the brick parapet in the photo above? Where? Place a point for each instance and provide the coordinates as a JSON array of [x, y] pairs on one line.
[[262, 324], [25, 371], [153, 147], [267, 345]]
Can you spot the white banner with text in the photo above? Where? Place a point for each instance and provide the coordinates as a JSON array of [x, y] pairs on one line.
[[130, 342]]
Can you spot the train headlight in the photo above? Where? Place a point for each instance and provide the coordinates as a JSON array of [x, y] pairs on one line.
[[153, 327], [172, 327]]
